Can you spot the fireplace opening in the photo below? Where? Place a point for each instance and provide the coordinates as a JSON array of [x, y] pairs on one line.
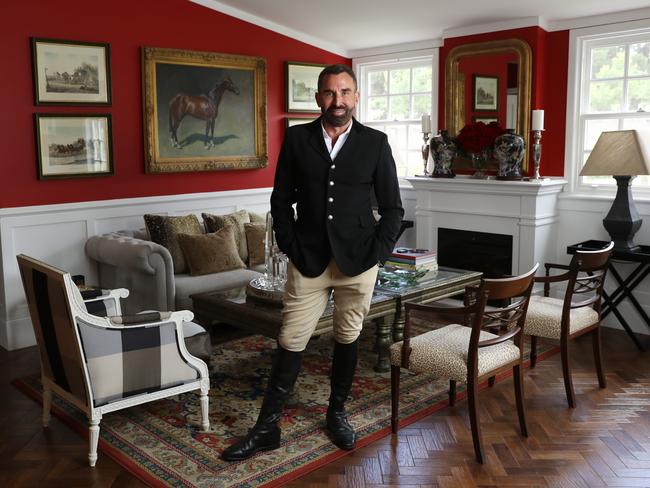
[[476, 251]]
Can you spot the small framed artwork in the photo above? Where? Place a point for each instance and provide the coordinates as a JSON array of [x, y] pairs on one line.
[[291, 121], [485, 120], [486, 93], [73, 146], [71, 72], [302, 85]]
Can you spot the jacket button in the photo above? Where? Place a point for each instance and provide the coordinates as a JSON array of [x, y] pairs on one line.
[[331, 183], [333, 166], [330, 217], [330, 199]]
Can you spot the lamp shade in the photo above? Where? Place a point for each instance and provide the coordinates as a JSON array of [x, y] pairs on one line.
[[621, 152]]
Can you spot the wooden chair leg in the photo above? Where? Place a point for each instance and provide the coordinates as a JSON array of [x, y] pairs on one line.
[[394, 398], [205, 418], [452, 393], [566, 371], [518, 377], [491, 381], [472, 403], [93, 439], [533, 351], [47, 403], [595, 338]]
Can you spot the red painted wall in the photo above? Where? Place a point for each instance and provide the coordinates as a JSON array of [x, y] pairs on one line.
[[549, 86], [127, 25]]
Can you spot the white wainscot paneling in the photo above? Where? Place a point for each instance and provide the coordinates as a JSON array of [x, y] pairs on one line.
[[57, 234]]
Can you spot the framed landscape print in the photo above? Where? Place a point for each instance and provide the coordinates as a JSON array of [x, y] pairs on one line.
[[70, 146], [203, 111], [291, 121], [486, 93], [302, 85], [71, 72]]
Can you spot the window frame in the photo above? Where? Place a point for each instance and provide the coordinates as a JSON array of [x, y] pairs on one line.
[[362, 68], [581, 43]]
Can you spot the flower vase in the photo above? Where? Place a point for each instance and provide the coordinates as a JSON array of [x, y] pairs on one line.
[[509, 150], [478, 163], [443, 153]]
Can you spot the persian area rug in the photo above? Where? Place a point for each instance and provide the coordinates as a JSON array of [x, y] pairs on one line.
[[161, 444]]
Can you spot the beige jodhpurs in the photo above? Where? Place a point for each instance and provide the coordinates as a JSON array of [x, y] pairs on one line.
[[305, 300]]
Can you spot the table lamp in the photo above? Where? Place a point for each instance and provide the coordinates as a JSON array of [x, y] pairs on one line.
[[622, 154]]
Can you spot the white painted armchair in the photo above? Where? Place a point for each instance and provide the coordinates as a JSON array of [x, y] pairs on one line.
[[84, 357]]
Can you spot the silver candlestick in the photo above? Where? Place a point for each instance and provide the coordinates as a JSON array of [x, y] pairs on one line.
[[537, 152], [425, 153]]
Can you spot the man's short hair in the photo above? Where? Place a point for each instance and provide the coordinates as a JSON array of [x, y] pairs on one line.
[[337, 69]]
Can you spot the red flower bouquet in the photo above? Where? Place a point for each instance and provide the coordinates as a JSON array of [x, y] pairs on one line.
[[475, 138]]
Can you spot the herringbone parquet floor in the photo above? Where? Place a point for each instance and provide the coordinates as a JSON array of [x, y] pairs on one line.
[[604, 442]]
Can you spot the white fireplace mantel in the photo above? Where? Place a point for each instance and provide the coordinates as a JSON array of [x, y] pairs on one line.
[[525, 210]]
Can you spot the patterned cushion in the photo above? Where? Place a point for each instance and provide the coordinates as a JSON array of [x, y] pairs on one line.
[[443, 352], [545, 315], [211, 253], [213, 223], [255, 234], [164, 231]]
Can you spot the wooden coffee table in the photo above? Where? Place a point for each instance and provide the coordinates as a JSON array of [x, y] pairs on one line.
[[386, 308]]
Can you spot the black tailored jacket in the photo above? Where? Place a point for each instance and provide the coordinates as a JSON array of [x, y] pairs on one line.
[[333, 200]]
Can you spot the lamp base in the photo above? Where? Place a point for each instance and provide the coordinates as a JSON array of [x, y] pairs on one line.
[[623, 220]]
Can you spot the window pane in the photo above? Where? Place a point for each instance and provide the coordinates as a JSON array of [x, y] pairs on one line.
[[415, 137], [607, 62], [638, 95], [605, 96], [399, 107], [422, 79], [637, 123], [639, 59], [397, 140], [377, 108], [421, 106], [400, 80], [593, 128], [378, 83], [415, 164]]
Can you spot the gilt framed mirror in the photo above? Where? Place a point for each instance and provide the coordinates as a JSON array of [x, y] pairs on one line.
[[510, 61]]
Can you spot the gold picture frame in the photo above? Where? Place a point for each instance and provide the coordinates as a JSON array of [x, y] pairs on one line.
[[203, 111]]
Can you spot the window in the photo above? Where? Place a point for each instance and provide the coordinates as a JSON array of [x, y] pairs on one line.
[[611, 91], [394, 94]]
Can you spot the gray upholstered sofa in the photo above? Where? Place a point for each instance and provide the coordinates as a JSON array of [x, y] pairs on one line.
[[128, 259]]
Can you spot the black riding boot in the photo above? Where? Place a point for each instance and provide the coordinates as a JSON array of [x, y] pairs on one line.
[[265, 434], [344, 363]]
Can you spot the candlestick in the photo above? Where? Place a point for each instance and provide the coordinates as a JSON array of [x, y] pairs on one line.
[[538, 120], [537, 152], [425, 153], [426, 123]]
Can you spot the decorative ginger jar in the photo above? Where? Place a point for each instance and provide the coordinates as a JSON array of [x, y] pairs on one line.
[[509, 151], [443, 153]]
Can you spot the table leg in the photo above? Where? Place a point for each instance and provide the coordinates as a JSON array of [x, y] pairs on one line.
[[384, 326]]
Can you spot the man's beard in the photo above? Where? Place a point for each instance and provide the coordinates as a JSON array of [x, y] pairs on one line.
[[337, 120]]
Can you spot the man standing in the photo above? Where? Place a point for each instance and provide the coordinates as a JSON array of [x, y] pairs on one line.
[[329, 168]]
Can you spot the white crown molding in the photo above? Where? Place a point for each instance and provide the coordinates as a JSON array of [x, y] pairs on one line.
[[412, 48], [273, 26], [594, 20], [494, 27]]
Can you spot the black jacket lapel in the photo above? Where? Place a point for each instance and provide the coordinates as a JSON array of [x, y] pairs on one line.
[[316, 140]]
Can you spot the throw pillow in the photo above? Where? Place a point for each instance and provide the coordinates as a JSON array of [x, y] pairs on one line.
[[213, 223], [255, 234], [164, 230], [255, 218], [211, 253]]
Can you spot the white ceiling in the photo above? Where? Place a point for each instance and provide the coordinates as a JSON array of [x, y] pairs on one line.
[[348, 26]]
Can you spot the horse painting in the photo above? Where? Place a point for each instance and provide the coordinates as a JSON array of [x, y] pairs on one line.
[[203, 107]]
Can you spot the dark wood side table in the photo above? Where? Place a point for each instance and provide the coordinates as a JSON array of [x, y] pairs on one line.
[[625, 286]]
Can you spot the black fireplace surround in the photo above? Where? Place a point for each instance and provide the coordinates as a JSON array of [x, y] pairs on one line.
[[476, 251]]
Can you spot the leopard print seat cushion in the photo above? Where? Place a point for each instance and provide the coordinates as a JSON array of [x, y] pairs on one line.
[[443, 353], [545, 316]]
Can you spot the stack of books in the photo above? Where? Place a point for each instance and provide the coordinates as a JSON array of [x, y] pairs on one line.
[[413, 259]]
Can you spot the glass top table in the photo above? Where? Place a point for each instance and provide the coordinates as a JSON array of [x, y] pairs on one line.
[[393, 289]]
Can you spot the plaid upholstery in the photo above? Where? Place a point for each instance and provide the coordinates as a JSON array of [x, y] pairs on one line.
[[132, 360], [103, 306]]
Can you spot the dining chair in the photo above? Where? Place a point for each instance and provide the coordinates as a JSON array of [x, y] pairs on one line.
[[564, 319], [479, 342], [103, 364]]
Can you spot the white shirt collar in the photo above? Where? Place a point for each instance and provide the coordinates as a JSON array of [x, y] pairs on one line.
[[339, 142]]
